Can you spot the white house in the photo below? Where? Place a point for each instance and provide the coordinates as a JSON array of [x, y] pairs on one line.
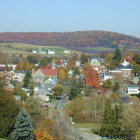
[[78, 63], [66, 51], [51, 52], [133, 89], [107, 76], [34, 52]]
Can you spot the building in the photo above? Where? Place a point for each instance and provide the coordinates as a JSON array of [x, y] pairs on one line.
[[126, 69], [44, 73], [94, 61], [43, 89], [106, 76], [67, 52], [78, 63], [133, 89], [48, 51]]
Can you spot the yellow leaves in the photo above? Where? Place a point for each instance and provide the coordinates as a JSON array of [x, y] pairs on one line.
[[25, 66], [62, 74], [58, 85]]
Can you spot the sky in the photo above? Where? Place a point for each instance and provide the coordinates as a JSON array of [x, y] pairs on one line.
[[121, 16]]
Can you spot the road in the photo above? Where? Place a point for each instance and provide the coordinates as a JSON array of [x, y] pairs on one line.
[[65, 126]]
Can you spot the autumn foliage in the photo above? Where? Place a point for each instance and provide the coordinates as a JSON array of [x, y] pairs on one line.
[[46, 130], [92, 78], [62, 73], [26, 66]]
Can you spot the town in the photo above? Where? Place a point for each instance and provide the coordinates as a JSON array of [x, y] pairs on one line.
[[77, 89]]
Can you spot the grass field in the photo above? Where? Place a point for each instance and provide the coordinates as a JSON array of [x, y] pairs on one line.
[[19, 48]]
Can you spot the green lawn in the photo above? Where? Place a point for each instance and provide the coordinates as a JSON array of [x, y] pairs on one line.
[[59, 50]]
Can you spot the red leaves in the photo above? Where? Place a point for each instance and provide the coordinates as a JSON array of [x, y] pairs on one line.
[[92, 78]]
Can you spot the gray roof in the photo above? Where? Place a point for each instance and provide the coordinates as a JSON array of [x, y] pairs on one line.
[[45, 87], [125, 67], [136, 86]]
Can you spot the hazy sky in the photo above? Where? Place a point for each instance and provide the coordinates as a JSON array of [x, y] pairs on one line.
[[70, 15]]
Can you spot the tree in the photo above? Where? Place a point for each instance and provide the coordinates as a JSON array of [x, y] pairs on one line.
[[92, 78], [136, 68], [107, 84], [32, 59], [20, 92], [71, 63], [2, 83], [108, 58], [33, 108], [84, 58], [58, 90], [46, 129], [136, 58], [26, 66], [44, 62], [85, 67], [114, 64], [62, 74], [23, 127], [117, 55], [116, 87], [31, 87], [26, 79], [74, 91], [111, 126], [130, 121], [76, 71], [8, 113], [76, 109], [42, 135]]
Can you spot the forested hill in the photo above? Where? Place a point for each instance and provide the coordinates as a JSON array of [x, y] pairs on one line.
[[72, 39]]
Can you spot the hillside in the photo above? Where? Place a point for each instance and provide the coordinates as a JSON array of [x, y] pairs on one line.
[[82, 40]]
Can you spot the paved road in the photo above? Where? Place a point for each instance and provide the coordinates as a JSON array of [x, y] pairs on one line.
[[65, 126]]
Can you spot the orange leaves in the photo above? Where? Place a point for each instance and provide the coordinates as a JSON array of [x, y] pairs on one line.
[[42, 135], [71, 63], [46, 130], [92, 78]]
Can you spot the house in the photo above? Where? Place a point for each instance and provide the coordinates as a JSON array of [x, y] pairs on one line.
[[43, 89], [117, 74], [19, 76], [43, 73], [78, 63], [126, 69], [34, 51], [70, 73], [133, 89], [94, 61], [67, 52], [106, 76], [2, 68], [100, 68]]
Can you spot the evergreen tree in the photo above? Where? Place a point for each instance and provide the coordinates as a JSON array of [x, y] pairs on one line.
[[111, 126], [74, 90], [23, 127], [107, 120], [26, 79], [117, 55]]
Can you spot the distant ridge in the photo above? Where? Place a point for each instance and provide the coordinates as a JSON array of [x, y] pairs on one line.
[[72, 40]]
